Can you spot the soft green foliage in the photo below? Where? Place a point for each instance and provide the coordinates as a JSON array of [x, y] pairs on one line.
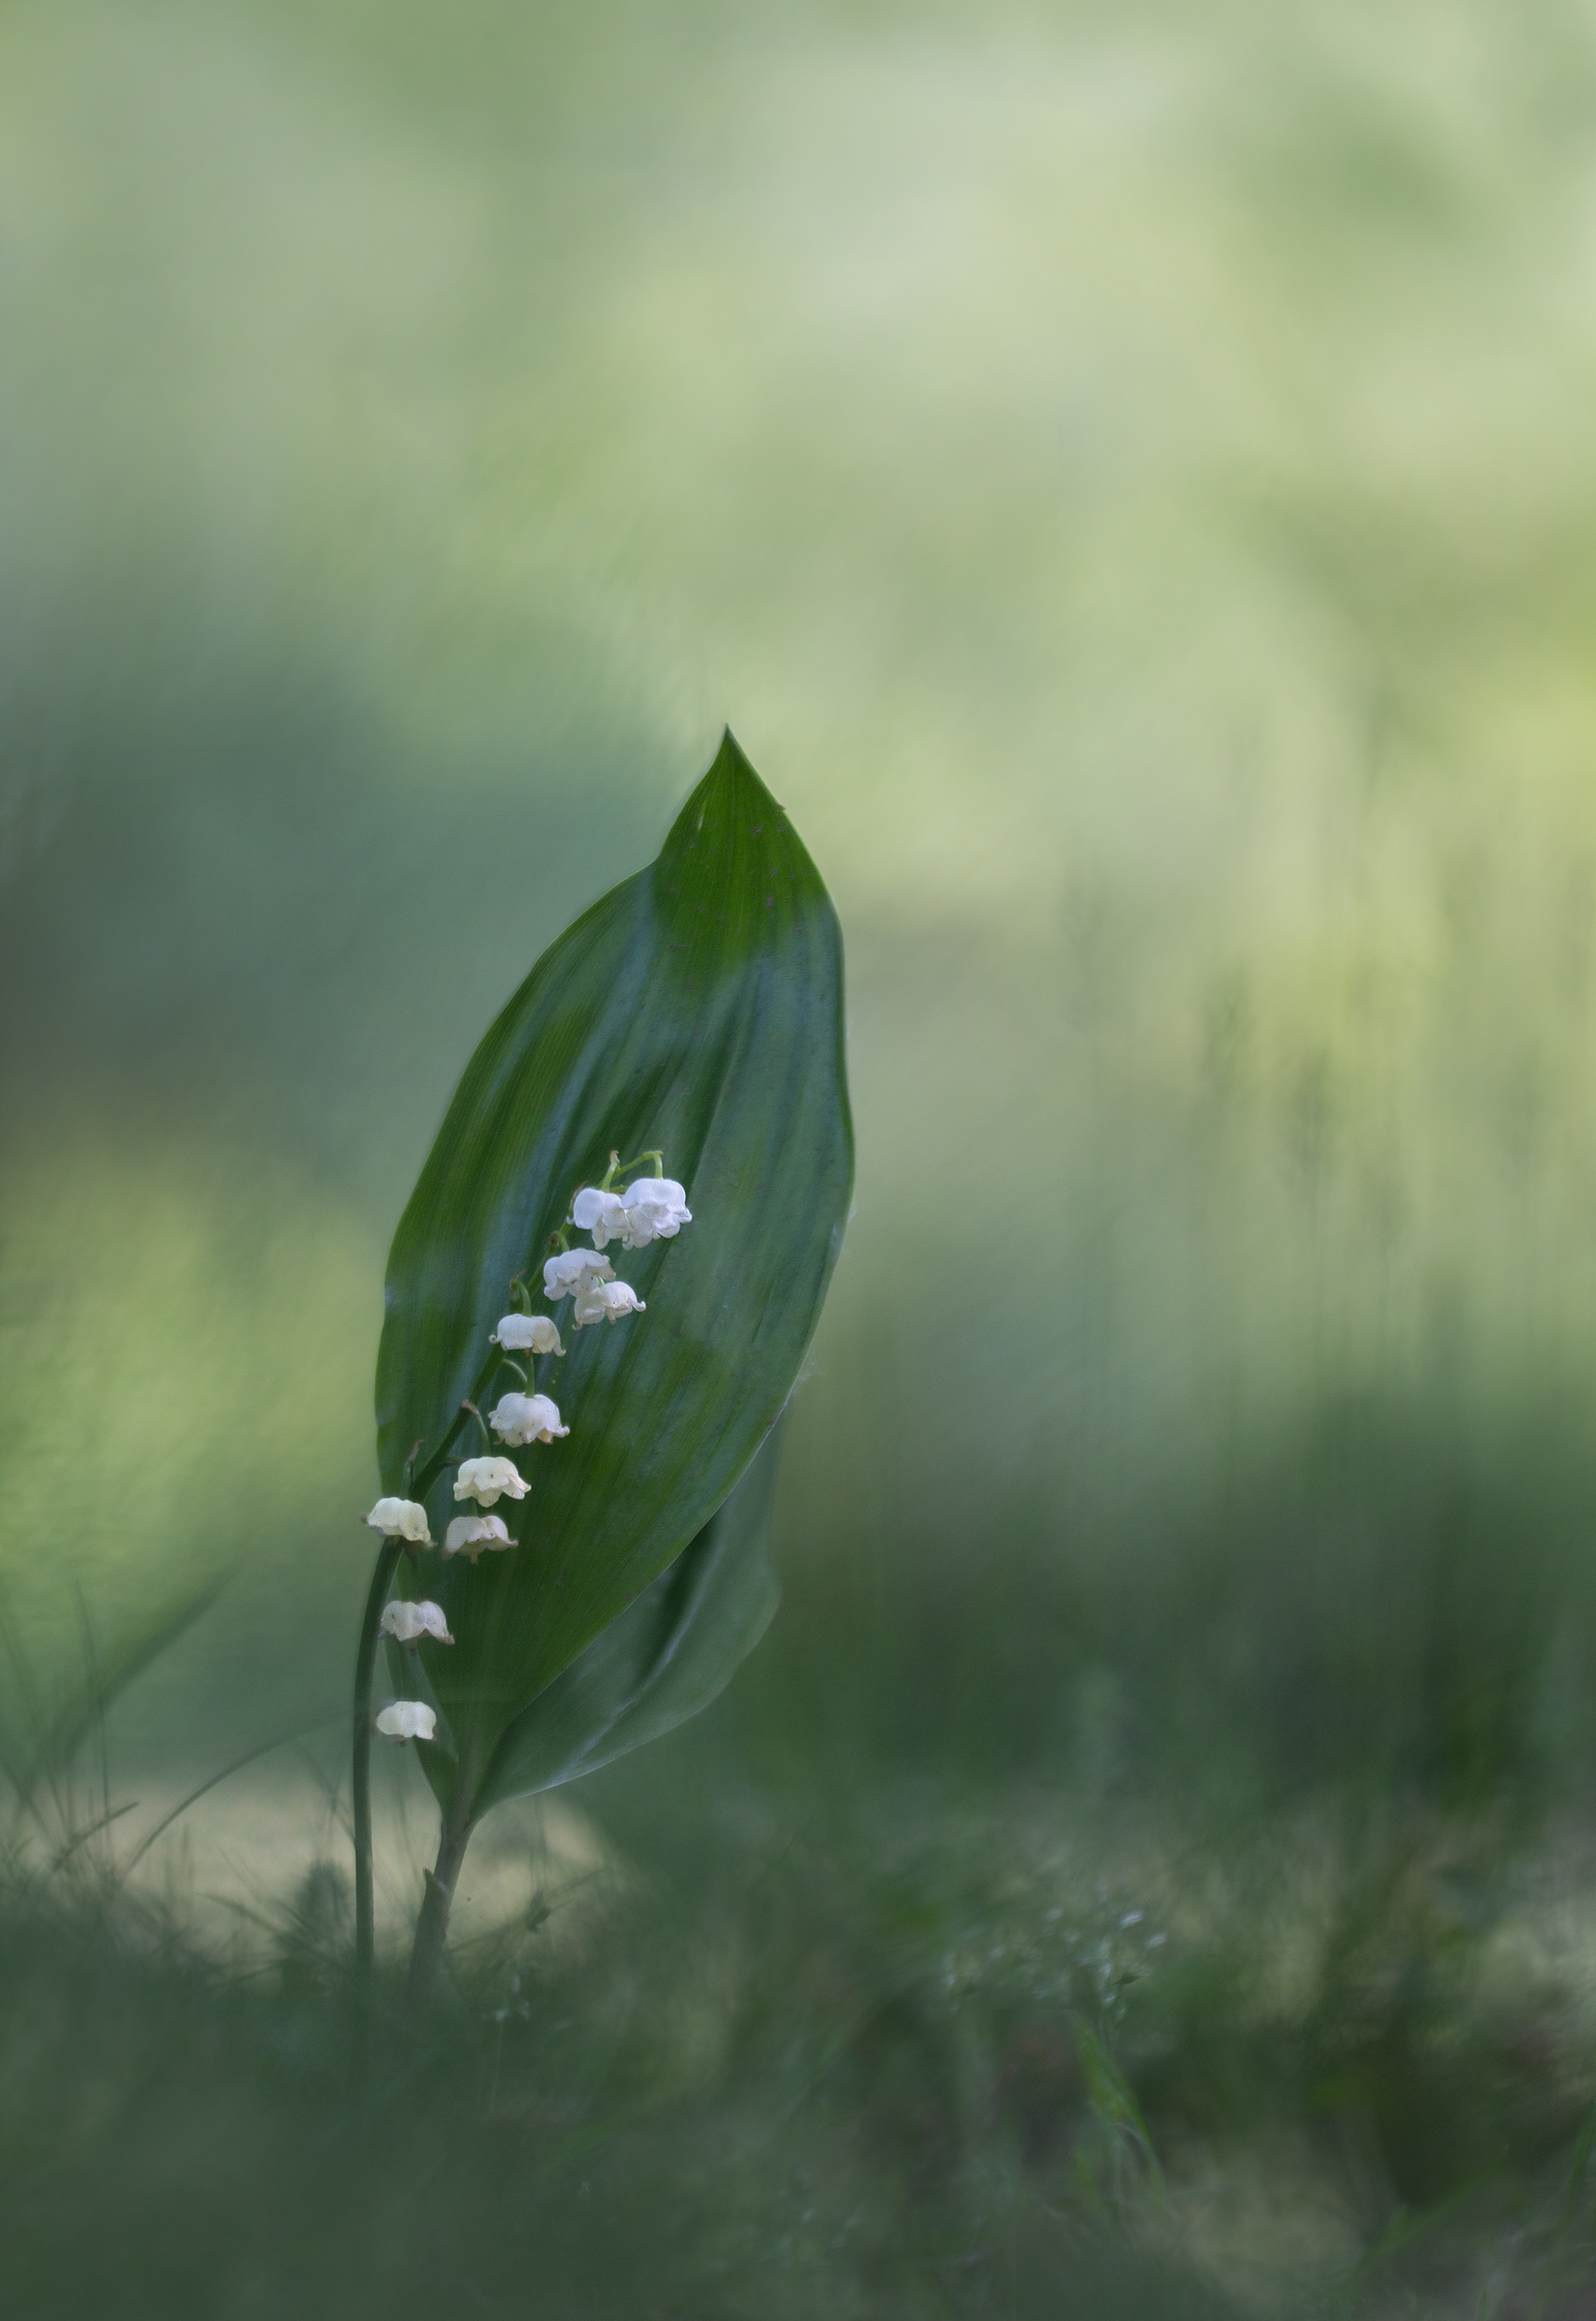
[[696, 1009], [1128, 474]]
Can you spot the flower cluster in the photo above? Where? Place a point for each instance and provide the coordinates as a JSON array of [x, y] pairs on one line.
[[649, 1209], [654, 1208]]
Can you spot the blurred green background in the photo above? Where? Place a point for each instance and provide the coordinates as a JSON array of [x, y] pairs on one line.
[[1127, 476]]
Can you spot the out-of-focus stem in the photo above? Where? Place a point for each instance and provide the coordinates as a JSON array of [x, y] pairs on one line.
[[365, 1661], [431, 1926]]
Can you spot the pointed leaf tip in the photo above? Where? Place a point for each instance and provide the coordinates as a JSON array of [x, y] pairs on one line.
[[731, 780]]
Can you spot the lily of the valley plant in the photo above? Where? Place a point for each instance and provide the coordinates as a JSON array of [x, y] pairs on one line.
[[573, 1515]]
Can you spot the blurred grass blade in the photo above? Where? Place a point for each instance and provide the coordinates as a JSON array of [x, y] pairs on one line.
[[664, 1659], [698, 1008], [213, 1780], [106, 1675]]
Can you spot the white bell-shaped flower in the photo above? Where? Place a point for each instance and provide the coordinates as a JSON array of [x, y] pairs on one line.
[[476, 1535], [601, 1214], [529, 1417], [656, 1207], [401, 1519], [568, 1268], [526, 1333], [406, 1721], [406, 1622], [606, 1302], [484, 1478]]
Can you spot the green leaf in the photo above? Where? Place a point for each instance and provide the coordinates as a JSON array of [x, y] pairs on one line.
[[665, 1658], [696, 1007]]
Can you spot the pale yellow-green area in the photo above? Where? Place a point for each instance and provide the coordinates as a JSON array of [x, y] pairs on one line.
[[1127, 476], [188, 1339]]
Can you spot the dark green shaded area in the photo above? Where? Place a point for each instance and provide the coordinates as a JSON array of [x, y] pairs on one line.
[[230, 2173], [663, 1659], [929, 2056]]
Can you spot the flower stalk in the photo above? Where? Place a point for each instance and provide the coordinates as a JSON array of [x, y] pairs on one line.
[[651, 1208], [421, 1482], [365, 1916]]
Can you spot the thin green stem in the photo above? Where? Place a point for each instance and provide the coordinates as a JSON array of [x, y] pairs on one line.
[[421, 1483], [365, 1917], [423, 1478]]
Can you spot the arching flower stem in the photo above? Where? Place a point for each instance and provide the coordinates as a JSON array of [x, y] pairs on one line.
[[420, 1481], [423, 1481], [364, 1921], [624, 1168]]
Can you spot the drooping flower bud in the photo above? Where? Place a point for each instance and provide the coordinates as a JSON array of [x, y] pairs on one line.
[[526, 1333], [566, 1270], [484, 1478], [601, 1214], [401, 1519], [476, 1535], [654, 1206], [406, 1622], [526, 1419], [406, 1721], [606, 1302]]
